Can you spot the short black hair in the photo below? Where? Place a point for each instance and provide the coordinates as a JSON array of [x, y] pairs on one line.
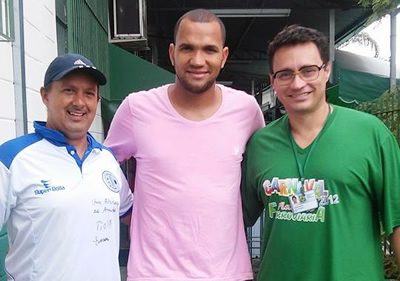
[[294, 35], [201, 15]]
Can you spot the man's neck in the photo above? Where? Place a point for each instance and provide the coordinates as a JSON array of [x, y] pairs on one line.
[[80, 146], [305, 127], [195, 106]]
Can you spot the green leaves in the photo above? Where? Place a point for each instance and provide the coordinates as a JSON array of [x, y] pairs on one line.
[[379, 7]]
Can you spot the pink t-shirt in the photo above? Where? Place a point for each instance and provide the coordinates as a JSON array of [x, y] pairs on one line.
[[187, 219]]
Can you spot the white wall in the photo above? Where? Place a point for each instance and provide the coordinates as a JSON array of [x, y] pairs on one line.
[[7, 107], [97, 127], [40, 49]]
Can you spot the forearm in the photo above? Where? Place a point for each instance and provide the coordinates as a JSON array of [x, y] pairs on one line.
[[126, 219], [395, 243]]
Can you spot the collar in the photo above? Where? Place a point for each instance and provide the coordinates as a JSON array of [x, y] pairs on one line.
[[58, 139]]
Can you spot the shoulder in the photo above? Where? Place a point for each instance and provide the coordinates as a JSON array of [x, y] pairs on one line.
[[10, 149], [236, 94], [349, 112], [138, 98], [239, 98], [144, 101], [275, 126], [348, 117], [276, 130], [103, 149]]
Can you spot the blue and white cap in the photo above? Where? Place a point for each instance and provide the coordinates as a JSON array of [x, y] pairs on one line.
[[63, 65]]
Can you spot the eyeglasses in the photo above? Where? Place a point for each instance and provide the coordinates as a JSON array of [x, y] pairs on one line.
[[307, 73]]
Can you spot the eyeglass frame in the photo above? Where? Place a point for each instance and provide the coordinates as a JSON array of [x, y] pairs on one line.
[[298, 72]]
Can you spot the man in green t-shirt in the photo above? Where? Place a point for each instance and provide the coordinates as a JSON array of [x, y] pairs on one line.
[[326, 176]]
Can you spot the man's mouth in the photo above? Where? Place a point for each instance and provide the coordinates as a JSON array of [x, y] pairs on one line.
[[198, 74], [76, 113], [299, 95]]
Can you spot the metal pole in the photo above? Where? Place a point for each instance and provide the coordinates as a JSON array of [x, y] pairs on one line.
[[154, 52], [18, 51], [331, 40], [393, 50]]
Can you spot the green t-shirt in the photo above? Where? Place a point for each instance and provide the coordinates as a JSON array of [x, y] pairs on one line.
[[353, 171]]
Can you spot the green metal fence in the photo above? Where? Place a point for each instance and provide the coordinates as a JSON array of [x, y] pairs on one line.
[[386, 108], [88, 33], [3, 252]]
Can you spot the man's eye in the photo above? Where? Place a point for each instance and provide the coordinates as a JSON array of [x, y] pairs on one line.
[[186, 48], [309, 71], [284, 75], [68, 91], [211, 50]]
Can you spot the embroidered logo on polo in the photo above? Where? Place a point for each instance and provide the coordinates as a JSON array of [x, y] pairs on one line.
[[111, 181], [307, 199], [46, 187]]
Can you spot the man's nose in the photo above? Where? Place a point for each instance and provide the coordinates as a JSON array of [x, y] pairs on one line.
[[79, 98], [198, 58], [297, 82]]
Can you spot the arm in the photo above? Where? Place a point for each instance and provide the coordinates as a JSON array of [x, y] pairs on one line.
[[120, 137], [7, 200], [126, 201], [390, 210], [258, 121], [127, 219], [395, 243], [251, 203]]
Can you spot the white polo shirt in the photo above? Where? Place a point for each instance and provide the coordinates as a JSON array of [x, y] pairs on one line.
[[62, 212]]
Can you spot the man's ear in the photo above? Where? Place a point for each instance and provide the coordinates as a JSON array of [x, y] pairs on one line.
[[225, 54], [44, 94], [327, 71], [271, 79], [171, 51]]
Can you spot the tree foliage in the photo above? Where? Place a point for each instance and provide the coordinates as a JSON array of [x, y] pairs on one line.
[[379, 7], [365, 40]]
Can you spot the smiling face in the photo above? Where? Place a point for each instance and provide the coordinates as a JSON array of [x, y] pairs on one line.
[[300, 96], [198, 55], [71, 105]]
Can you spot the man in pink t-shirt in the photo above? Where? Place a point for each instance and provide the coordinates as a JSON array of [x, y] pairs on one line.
[[188, 139]]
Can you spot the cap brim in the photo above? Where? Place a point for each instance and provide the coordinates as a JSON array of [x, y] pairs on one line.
[[95, 73]]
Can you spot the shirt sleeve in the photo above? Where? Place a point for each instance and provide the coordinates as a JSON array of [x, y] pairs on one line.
[[258, 121], [120, 137], [390, 184], [7, 197], [126, 196], [252, 204]]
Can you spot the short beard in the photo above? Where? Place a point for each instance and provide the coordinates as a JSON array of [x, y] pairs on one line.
[[195, 89]]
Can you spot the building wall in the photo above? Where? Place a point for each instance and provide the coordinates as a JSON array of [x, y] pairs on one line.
[[7, 108], [40, 49]]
